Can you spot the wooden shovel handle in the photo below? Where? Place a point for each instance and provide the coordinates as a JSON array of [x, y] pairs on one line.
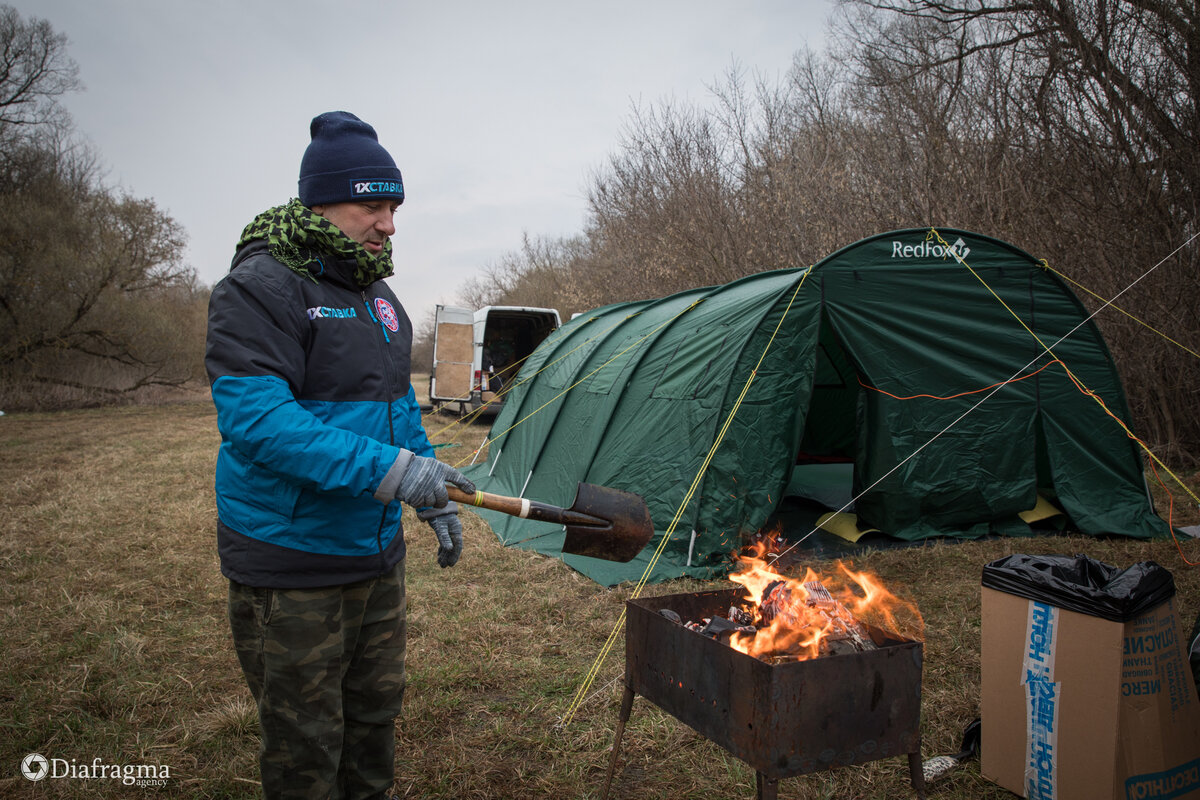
[[525, 509], [513, 506]]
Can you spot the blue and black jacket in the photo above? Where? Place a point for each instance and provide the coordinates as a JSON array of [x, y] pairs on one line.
[[314, 403]]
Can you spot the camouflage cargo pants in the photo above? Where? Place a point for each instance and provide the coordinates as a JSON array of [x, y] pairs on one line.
[[326, 667]]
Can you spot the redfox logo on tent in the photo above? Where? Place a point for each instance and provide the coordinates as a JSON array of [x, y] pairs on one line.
[[926, 249]]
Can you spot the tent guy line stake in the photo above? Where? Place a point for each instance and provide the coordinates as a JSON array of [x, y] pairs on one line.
[[1046, 349]]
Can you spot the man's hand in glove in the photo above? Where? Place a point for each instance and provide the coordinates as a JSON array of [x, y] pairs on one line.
[[448, 529], [421, 482]]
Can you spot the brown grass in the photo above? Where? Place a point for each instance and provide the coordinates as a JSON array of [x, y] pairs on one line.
[[116, 644]]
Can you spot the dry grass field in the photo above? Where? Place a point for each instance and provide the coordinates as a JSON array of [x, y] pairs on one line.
[[116, 645]]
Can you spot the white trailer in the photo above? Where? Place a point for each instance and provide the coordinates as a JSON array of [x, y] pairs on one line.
[[476, 354]]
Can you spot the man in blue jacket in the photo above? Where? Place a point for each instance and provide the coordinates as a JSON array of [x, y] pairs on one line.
[[308, 353]]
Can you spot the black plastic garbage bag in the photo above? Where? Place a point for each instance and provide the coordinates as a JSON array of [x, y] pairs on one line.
[[1082, 584]]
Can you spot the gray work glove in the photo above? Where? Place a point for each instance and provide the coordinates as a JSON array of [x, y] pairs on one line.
[[448, 530], [420, 481]]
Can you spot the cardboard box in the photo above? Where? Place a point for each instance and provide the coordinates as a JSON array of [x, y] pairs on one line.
[[1076, 707]]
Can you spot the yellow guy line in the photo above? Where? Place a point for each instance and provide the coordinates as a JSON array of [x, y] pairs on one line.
[[472, 416], [636, 343], [1147, 326], [1071, 375], [590, 678], [525, 380], [997, 387], [476, 412]]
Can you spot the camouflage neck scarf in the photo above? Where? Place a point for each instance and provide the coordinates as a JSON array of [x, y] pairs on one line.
[[298, 238]]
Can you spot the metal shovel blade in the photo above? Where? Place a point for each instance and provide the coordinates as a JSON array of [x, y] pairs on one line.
[[617, 527]]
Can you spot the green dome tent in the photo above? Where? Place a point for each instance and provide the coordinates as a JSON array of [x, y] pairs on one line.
[[898, 359]]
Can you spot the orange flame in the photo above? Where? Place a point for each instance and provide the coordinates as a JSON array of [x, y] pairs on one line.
[[795, 619]]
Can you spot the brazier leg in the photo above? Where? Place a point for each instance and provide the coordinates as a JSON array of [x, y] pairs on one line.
[[917, 773], [626, 707], [768, 789]]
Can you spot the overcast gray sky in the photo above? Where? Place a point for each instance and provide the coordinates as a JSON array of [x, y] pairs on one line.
[[496, 112]]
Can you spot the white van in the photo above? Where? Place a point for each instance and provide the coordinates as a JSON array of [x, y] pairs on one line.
[[476, 354]]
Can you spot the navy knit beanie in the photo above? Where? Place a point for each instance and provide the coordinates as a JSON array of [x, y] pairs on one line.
[[344, 163]]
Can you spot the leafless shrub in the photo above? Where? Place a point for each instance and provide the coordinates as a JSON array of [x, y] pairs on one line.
[[96, 304], [1072, 135]]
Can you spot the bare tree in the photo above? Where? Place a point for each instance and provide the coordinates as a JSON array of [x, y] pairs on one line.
[[94, 295], [80, 270], [1068, 128], [545, 273], [1086, 115], [664, 210], [35, 71], [1112, 77]]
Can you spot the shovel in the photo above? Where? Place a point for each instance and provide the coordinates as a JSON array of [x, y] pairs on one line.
[[602, 523]]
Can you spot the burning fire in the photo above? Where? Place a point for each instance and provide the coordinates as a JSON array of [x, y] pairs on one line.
[[794, 616]]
